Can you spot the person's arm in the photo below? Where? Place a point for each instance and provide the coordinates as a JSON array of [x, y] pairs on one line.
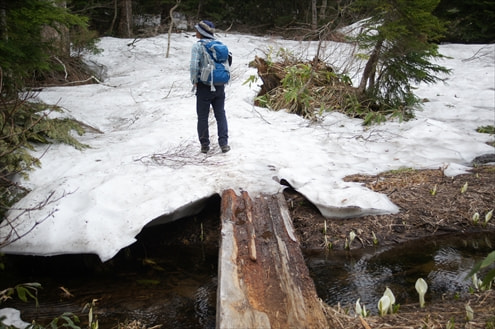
[[194, 64]]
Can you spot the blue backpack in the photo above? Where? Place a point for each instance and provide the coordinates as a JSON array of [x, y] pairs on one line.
[[216, 63]]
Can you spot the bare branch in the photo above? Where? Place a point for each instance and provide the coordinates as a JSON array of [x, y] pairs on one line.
[[12, 224]]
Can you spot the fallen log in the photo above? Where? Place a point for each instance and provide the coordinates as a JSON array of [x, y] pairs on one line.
[[263, 279]]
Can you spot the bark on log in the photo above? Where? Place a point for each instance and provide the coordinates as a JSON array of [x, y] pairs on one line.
[[263, 279]]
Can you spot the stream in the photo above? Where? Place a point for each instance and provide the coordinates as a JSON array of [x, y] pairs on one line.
[[175, 286]]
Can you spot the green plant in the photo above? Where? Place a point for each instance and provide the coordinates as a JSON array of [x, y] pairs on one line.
[[327, 243], [490, 259], [486, 129], [297, 95], [476, 218], [386, 302], [433, 191], [66, 320], [488, 217], [421, 287], [23, 125], [92, 319], [24, 291], [469, 313], [252, 79], [399, 39], [83, 40], [361, 310], [375, 239], [384, 305], [352, 236]]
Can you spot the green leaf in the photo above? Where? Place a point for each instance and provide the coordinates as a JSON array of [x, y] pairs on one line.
[[488, 278], [490, 259], [21, 293]]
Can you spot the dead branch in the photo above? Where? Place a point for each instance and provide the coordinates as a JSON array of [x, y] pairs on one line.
[[12, 224], [171, 25], [184, 154]]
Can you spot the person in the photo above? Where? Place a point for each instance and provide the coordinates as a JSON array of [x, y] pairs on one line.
[[205, 96]]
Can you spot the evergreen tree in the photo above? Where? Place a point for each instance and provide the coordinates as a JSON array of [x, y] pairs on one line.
[[23, 49], [468, 21], [401, 36], [25, 52]]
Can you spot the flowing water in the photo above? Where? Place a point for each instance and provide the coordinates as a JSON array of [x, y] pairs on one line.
[[175, 286], [443, 262]]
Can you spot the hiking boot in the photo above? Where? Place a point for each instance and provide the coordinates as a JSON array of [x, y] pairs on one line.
[[225, 148], [205, 148]]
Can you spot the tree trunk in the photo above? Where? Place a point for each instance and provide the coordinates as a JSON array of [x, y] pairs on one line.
[[125, 23], [3, 21], [314, 16], [263, 281], [323, 10], [370, 68]]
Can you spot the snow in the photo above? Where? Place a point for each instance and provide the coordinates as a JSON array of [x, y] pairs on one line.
[[144, 164]]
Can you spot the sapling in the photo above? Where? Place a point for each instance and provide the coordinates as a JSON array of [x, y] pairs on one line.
[[421, 287], [375, 239], [433, 191]]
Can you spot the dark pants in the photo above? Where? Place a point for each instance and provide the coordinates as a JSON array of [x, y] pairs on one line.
[[204, 98]]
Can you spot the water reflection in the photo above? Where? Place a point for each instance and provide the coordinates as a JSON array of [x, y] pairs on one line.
[[154, 283], [343, 277]]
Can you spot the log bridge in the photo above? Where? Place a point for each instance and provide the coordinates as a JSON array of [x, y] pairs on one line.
[[263, 280]]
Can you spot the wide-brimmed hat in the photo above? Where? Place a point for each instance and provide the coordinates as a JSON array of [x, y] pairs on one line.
[[206, 29]]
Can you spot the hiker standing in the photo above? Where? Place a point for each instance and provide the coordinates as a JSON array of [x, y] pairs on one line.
[[207, 94]]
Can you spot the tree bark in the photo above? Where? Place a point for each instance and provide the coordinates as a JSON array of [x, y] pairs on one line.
[[125, 23], [370, 68], [323, 10], [314, 16], [263, 280]]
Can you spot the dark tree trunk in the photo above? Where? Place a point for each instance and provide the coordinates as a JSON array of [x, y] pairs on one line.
[[369, 70], [125, 22]]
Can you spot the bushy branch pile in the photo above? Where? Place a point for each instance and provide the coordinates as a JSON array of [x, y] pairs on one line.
[[304, 88], [311, 88]]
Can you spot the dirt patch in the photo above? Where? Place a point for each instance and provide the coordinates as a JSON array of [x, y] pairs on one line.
[[430, 204]]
